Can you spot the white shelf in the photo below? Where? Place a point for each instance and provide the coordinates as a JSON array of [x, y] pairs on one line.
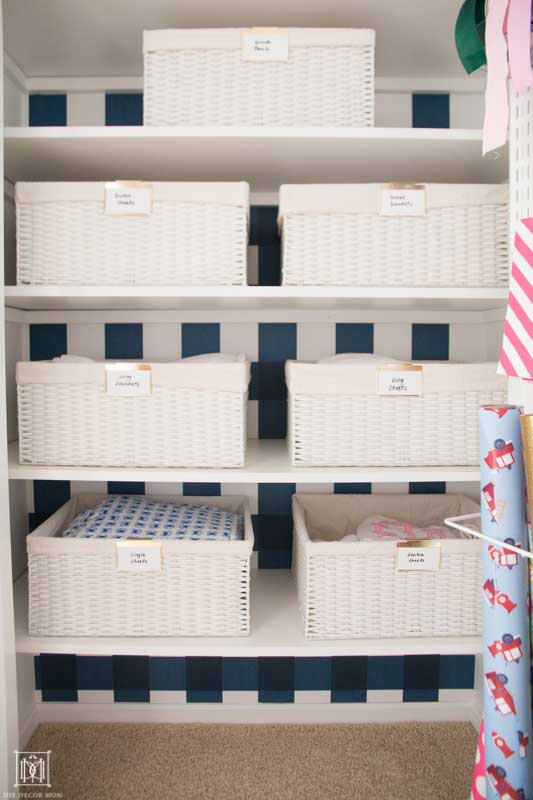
[[265, 157], [267, 461], [199, 298], [276, 630]]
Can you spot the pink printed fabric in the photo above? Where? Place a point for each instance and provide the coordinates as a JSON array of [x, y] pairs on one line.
[[479, 783], [516, 358]]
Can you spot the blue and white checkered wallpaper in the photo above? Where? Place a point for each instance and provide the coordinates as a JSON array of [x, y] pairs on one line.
[[421, 110], [339, 679]]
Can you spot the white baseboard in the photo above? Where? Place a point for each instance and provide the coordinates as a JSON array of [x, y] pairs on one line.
[[29, 725], [257, 713]]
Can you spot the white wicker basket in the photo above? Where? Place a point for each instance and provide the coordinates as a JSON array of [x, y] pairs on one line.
[[196, 234], [336, 235], [351, 590], [195, 416], [199, 77], [75, 588], [337, 417]]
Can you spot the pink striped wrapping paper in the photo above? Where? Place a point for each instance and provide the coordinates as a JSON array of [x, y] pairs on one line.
[[516, 358]]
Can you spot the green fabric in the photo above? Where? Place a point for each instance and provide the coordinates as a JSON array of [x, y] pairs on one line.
[[470, 33]]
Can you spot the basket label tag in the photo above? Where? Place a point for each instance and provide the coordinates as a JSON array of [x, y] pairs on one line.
[[421, 555], [128, 380], [128, 198], [402, 200], [400, 379], [265, 44], [142, 555]]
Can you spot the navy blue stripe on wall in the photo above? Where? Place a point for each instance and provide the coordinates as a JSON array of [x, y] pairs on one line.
[[47, 341], [47, 109], [277, 343], [265, 235], [430, 342], [201, 489], [126, 487], [275, 679], [354, 337], [431, 110], [273, 525], [123, 340], [198, 338], [124, 108]]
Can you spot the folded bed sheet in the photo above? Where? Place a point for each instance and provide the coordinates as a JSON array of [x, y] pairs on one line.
[[130, 517]]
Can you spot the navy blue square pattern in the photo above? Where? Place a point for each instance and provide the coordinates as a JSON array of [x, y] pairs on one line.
[[126, 487], [431, 110], [273, 525], [354, 337], [123, 340], [47, 341], [277, 343], [421, 679], [265, 235], [47, 109], [198, 338], [239, 674], [95, 673], [58, 678], [124, 108], [203, 680], [349, 679], [131, 679], [167, 674], [274, 679], [430, 342]]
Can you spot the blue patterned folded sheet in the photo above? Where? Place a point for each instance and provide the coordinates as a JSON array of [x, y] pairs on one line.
[[129, 517]]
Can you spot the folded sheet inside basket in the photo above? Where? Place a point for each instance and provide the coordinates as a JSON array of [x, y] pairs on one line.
[[130, 517], [210, 358], [343, 358], [380, 528]]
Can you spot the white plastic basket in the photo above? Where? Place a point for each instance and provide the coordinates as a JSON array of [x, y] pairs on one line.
[[195, 416], [196, 234], [337, 417], [200, 77], [335, 235], [75, 588], [352, 590]]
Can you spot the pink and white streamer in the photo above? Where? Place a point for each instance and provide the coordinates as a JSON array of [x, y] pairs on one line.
[[516, 358]]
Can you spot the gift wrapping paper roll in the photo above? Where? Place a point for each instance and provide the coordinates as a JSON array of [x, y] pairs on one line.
[[526, 425], [506, 642]]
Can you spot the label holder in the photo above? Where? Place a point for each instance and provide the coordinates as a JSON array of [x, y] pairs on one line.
[[262, 45], [418, 555], [128, 198], [140, 555], [392, 383], [403, 200], [128, 379]]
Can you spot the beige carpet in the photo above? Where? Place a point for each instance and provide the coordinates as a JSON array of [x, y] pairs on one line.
[[409, 761]]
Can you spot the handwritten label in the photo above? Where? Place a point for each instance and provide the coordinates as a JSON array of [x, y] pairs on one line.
[[418, 556], [403, 202], [128, 198], [398, 381], [128, 380], [265, 44], [138, 556]]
